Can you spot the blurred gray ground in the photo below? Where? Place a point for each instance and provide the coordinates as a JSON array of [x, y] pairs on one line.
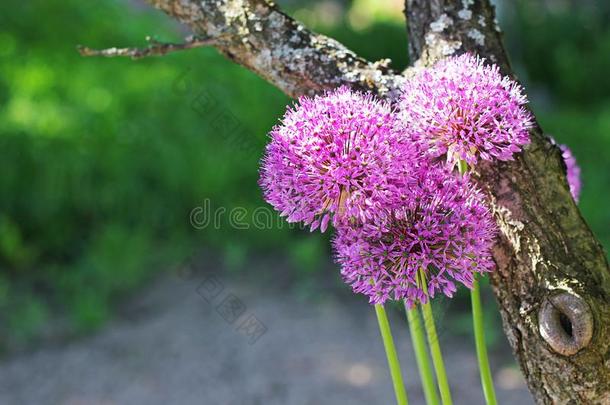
[[172, 346]]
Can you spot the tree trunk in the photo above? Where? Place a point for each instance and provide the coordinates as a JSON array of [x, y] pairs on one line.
[[552, 282]]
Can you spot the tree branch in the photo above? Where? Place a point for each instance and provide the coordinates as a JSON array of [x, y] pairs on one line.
[[547, 253], [257, 35], [155, 48]]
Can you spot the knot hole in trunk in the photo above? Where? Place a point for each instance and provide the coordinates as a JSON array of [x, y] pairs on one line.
[[565, 322]]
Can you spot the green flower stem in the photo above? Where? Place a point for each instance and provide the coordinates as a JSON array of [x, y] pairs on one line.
[[435, 349], [421, 356], [390, 351], [479, 338]]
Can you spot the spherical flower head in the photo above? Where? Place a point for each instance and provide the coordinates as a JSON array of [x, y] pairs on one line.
[[439, 230], [333, 157], [466, 110], [573, 171]]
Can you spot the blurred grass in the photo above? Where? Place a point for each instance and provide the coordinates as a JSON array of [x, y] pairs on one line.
[[103, 160]]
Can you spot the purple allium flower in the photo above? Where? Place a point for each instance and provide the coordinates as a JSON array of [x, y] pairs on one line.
[[573, 171], [439, 224], [466, 110], [334, 156]]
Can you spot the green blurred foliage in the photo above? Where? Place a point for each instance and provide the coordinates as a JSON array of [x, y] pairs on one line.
[[102, 161], [561, 51]]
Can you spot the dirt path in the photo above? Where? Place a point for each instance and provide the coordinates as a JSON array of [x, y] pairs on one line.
[[175, 347]]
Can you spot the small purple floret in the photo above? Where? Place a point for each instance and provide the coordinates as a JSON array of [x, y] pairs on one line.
[[573, 171]]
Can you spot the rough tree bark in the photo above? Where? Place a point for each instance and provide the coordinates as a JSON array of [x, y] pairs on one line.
[[553, 281], [257, 35]]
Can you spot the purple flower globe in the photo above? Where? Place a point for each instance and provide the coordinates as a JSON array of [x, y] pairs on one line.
[[465, 110], [438, 228], [335, 156], [573, 171]]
